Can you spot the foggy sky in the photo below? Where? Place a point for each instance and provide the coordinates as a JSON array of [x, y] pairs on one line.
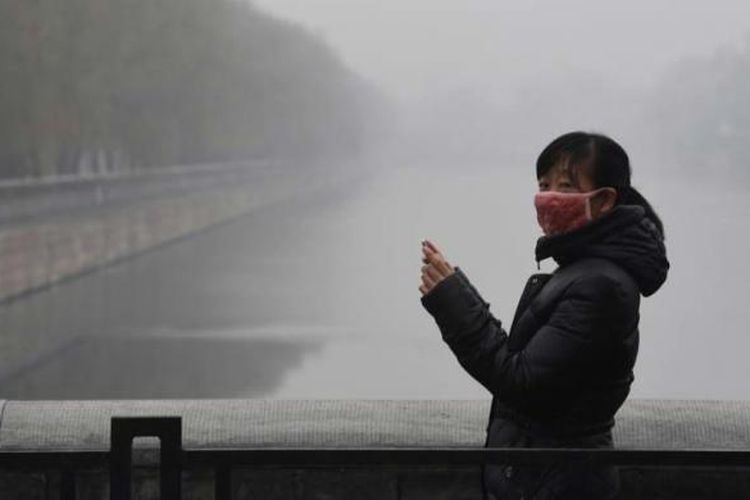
[[414, 46], [485, 84]]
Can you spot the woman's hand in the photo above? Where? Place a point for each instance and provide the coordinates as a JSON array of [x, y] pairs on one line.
[[436, 268]]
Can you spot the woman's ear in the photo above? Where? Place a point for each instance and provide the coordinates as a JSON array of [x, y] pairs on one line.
[[608, 199], [603, 201]]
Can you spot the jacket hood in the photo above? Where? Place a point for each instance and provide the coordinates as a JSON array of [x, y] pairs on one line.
[[624, 235]]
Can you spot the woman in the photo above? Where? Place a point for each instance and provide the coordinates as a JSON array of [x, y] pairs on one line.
[[560, 374]]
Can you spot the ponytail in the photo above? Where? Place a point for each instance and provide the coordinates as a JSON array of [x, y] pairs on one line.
[[629, 195]]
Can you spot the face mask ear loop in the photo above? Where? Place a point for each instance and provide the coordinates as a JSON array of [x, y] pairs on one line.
[[588, 203]]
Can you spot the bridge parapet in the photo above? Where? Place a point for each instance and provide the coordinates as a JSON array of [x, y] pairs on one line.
[[267, 423]]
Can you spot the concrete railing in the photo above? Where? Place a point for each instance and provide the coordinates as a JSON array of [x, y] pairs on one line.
[[22, 200], [259, 423]]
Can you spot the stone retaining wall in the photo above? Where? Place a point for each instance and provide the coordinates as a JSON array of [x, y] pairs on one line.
[[40, 253]]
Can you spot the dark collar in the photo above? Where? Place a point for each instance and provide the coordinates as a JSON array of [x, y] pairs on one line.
[[566, 247]]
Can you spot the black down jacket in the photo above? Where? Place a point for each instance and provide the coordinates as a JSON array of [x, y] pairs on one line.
[[560, 375]]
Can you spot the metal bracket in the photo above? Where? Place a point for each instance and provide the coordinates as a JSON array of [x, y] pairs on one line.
[[123, 430]]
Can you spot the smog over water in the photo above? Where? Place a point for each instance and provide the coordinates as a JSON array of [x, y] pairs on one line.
[[370, 125]]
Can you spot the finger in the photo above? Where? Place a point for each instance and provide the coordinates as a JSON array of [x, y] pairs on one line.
[[428, 281], [423, 289], [444, 267], [433, 272], [432, 246], [439, 270], [430, 254], [428, 246], [437, 260], [434, 252]]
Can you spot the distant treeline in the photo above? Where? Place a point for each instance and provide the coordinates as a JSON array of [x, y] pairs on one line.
[[100, 85]]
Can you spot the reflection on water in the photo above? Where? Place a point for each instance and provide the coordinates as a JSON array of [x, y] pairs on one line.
[[139, 367]]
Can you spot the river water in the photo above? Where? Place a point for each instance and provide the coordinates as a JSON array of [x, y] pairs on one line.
[[318, 298]]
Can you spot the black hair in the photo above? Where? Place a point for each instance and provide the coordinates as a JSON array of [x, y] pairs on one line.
[[604, 159]]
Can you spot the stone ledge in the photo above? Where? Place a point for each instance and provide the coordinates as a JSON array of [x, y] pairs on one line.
[[640, 423]]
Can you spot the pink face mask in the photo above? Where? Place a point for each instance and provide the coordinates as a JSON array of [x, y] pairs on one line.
[[558, 212]]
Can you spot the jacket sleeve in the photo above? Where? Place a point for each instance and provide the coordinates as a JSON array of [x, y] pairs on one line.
[[571, 338]]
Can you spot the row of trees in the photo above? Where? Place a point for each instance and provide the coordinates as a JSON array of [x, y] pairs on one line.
[[100, 85]]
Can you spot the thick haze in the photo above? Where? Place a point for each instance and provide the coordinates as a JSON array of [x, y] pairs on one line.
[[426, 119], [491, 82], [483, 85], [417, 46]]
